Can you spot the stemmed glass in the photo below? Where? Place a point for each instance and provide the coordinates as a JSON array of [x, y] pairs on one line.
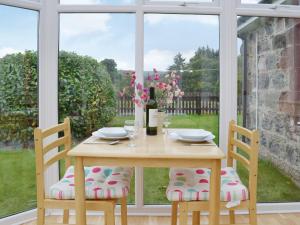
[[130, 127], [167, 122]]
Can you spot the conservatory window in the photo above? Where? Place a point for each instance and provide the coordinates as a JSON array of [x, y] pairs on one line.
[[173, 48], [18, 108], [269, 94]]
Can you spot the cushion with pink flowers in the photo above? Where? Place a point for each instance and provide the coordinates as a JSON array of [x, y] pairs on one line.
[[100, 183], [193, 185]]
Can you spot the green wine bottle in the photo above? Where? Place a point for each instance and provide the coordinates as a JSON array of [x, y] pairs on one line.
[[151, 114]]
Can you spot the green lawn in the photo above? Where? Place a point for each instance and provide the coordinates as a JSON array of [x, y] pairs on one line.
[[17, 186], [17, 195]]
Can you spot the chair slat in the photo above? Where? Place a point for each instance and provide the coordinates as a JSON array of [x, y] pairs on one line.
[[57, 157], [54, 129], [243, 131], [243, 146], [59, 142], [241, 159]]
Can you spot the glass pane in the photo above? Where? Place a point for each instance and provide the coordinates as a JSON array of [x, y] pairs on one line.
[[102, 2], [188, 46], [18, 108], [95, 59], [276, 2], [269, 92]]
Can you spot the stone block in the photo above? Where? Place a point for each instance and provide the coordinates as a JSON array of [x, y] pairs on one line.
[[266, 121], [263, 139], [263, 46], [292, 154], [279, 80], [271, 62], [276, 146], [279, 41], [280, 122], [279, 24], [263, 81]]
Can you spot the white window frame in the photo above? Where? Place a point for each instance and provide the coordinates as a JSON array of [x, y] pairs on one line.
[[48, 69]]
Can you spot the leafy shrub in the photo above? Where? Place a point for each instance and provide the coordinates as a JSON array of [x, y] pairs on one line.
[[85, 95], [18, 97]]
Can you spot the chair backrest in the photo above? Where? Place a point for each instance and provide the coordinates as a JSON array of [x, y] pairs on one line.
[[41, 149], [247, 142]]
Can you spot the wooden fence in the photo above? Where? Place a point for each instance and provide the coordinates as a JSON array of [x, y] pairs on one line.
[[190, 103]]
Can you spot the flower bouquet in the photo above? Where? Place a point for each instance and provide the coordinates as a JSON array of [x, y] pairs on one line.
[[166, 89]]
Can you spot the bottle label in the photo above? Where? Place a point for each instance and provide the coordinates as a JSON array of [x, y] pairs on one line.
[[153, 116]]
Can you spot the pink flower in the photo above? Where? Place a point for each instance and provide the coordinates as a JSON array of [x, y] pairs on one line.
[[174, 82], [133, 76], [156, 76], [161, 85], [132, 83], [138, 103], [121, 93], [144, 96], [149, 78], [181, 94], [139, 87]]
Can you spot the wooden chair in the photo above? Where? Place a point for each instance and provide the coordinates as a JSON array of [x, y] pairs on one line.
[[247, 155], [43, 201]]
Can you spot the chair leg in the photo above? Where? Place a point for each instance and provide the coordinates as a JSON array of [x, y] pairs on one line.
[[231, 217], [174, 213], [183, 213], [66, 216], [253, 217], [196, 218], [124, 211], [110, 214], [40, 216]]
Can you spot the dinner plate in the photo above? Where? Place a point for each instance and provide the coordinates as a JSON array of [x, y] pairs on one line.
[[175, 136], [113, 132], [193, 134], [102, 136], [208, 139]]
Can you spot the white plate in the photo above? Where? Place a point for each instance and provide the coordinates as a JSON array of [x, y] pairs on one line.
[[175, 136], [113, 132], [102, 136], [193, 134]]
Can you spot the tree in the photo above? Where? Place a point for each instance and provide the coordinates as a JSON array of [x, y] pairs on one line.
[[111, 68], [201, 74], [179, 63]]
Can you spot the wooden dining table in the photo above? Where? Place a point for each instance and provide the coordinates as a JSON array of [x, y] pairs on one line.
[[150, 151]]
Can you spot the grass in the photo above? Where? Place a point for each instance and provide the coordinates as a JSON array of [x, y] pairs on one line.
[[17, 186], [17, 174]]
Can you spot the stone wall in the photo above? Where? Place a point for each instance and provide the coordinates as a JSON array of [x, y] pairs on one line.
[[272, 70]]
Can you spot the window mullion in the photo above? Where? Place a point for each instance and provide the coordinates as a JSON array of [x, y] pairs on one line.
[[139, 112], [228, 69], [48, 75]]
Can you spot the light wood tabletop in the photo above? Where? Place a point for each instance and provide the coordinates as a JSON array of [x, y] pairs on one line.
[[151, 147], [150, 151]]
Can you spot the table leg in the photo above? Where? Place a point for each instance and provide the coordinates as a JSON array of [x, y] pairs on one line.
[[80, 192], [214, 193]]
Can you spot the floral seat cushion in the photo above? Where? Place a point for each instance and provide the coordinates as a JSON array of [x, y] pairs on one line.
[[193, 185], [100, 183]]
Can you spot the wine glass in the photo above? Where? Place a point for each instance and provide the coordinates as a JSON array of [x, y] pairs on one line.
[[167, 122], [130, 127]]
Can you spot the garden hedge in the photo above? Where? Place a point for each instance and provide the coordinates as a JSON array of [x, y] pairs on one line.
[[85, 95]]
